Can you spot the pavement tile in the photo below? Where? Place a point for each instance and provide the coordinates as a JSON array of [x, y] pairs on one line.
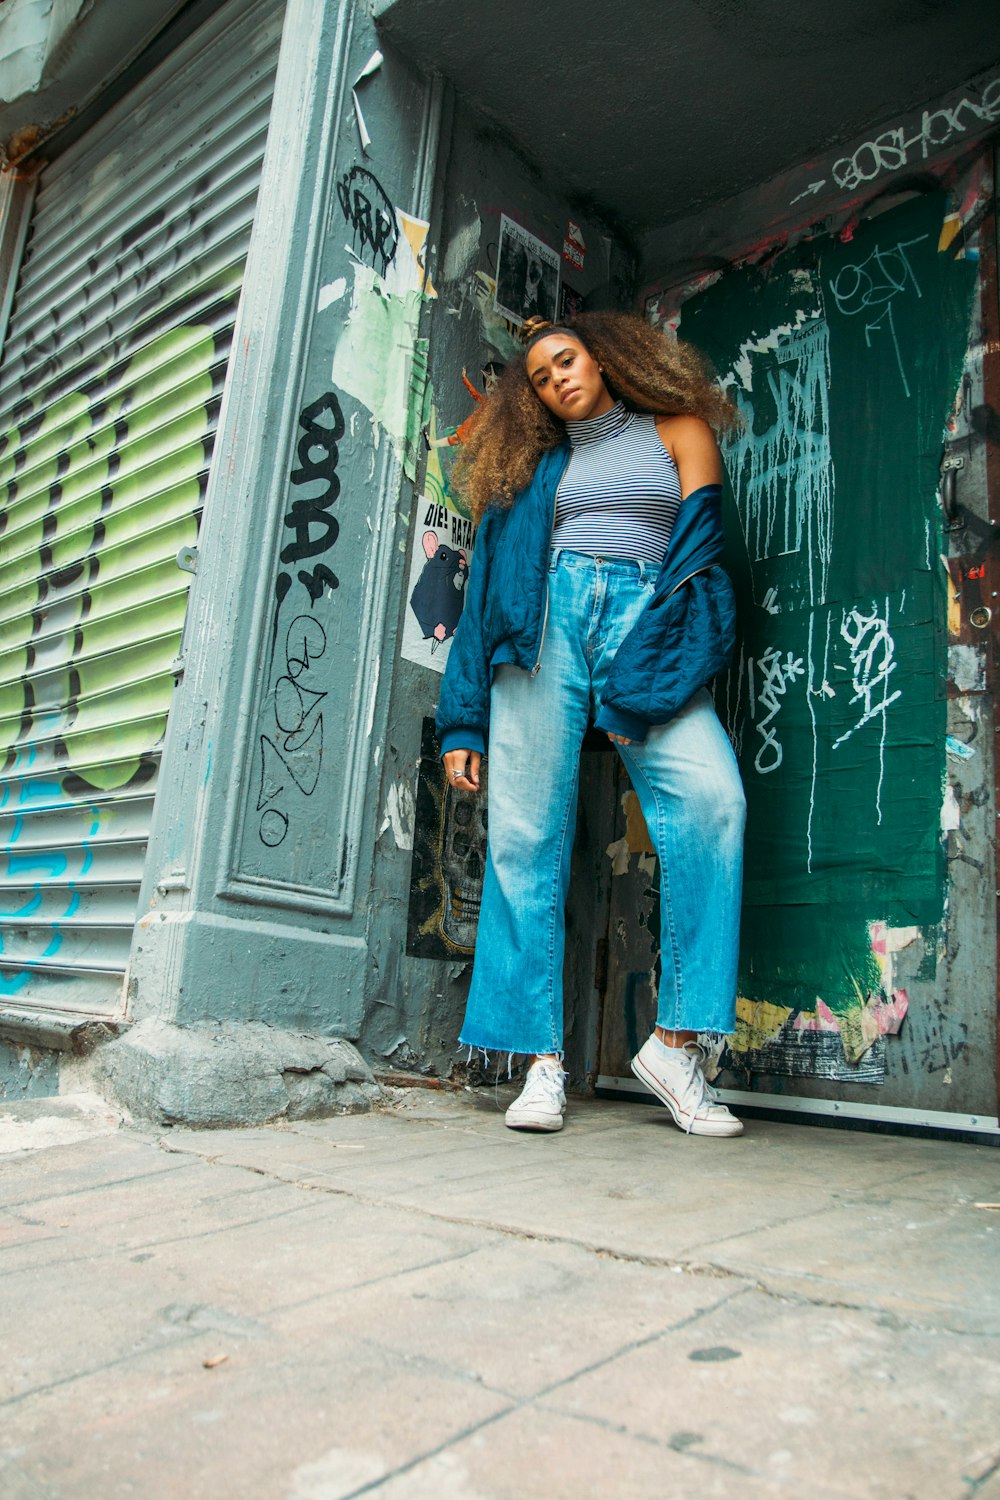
[[514, 1315], [74, 1171], [133, 1214], [534, 1452], [941, 1266], [168, 1428], [883, 1411], [105, 1300], [633, 1205]]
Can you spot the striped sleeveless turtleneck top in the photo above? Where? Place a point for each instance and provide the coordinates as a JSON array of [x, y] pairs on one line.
[[620, 493]]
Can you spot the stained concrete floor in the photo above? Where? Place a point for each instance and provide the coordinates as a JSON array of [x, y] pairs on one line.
[[419, 1305]]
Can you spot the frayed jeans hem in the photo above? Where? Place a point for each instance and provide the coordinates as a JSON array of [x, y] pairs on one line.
[[495, 1057]]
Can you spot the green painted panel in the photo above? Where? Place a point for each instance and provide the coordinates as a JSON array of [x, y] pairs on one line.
[[844, 357]]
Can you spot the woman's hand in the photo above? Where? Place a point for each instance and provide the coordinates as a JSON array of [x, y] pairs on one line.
[[462, 769], [617, 739]]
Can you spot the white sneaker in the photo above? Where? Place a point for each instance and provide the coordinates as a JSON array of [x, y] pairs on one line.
[[676, 1076], [540, 1104]]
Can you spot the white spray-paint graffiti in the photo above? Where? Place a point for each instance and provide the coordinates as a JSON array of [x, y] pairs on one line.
[[783, 478], [872, 664], [775, 673], [894, 149], [862, 637], [874, 284]]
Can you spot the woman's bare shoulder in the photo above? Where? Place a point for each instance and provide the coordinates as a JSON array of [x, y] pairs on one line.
[[686, 430], [691, 444]]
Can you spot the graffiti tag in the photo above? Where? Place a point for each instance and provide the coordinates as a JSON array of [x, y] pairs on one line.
[[776, 675], [370, 213], [893, 149], [874, 283], [872, 651], [292, 755], [313, 530]]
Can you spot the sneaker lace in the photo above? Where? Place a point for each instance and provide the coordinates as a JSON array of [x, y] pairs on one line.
[[699, 1095], [544, 1084]]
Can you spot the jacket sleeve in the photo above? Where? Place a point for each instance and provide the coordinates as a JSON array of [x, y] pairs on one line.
[[464, 708], [677, 646]]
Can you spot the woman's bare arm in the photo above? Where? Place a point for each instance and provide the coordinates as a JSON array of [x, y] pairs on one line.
[[692, 446]]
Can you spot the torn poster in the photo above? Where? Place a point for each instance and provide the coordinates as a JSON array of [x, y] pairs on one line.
[[449, 860], [574, 245], [527, 275], [370, 67]]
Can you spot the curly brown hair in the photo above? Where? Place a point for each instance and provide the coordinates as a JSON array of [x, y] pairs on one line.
[[644, 369]]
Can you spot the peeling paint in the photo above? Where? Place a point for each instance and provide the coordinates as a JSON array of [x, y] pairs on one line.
[[636, 832], [742, 371], [958, 749], [332, 292], [618, 853], [951, 813], [374, 356], [757, 1022], [463, 248], [967, 668], [399, 814]]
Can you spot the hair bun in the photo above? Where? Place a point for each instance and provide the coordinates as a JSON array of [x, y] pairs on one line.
[[533, 326]]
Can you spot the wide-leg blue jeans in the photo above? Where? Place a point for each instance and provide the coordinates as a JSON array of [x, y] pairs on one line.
[[688, 785]]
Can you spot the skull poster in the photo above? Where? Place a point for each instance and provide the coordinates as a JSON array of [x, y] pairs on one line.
[[449, 860]]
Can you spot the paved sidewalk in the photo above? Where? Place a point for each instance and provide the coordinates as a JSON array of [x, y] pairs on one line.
[[419, 1305]]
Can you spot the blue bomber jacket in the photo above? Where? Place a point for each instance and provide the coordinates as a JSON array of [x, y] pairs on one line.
[[683, 637]]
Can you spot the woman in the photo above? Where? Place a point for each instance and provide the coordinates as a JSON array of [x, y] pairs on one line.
[[595, 594]]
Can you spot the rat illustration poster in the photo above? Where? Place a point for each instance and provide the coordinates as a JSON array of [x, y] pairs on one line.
[[439, 574]]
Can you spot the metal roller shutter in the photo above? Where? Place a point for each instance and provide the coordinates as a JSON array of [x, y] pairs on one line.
[[110, 387]]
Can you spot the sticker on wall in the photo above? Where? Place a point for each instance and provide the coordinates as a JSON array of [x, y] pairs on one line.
[[527, 275], [574, 245], [449, 860], [439, 573], [570, 302]]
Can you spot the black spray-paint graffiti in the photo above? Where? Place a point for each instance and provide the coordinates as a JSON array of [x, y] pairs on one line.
[[294, 754], [313, 530], [291, 753], [370, 213]]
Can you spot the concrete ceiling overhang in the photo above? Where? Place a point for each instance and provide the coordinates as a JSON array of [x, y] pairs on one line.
[[652, 110]]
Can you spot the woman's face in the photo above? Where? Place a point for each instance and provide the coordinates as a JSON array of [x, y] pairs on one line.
[[567, 379]]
